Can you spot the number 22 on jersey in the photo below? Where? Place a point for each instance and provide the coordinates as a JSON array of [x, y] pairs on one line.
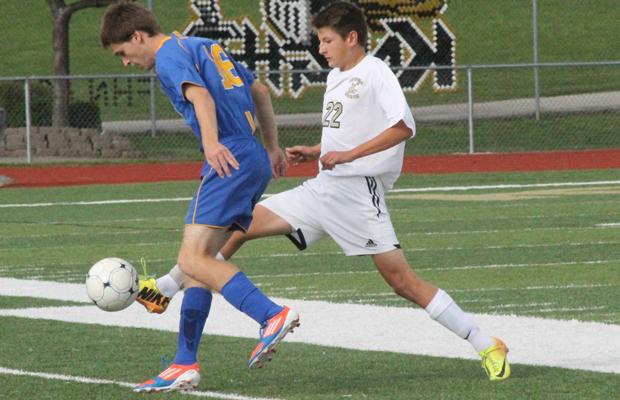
[[332, 113]]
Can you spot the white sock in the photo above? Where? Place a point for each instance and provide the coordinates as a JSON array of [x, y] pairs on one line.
[[171, 283], [445, 311], [219, 256]]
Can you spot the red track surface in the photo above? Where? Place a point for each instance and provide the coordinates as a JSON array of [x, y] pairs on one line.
[[37, 176]]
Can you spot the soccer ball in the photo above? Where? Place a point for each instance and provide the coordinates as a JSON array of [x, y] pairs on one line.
[[112, 284]]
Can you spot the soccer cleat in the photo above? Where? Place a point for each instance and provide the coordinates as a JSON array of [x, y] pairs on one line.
[[175, 377], [271, 334], [151, 298], [495, 362]]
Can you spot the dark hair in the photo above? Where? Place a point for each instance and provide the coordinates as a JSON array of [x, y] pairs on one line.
[[343, 17], [121, 20]]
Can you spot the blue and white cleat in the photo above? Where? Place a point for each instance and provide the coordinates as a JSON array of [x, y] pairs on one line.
[[271, 334], [175, 377]]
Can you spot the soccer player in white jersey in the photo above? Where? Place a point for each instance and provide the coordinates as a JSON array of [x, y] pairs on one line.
[[366, 121]]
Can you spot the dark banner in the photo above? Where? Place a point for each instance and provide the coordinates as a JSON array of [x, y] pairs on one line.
[[284, 42]]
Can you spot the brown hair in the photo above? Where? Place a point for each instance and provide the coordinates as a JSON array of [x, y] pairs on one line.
[[343, 17], [121, 20]]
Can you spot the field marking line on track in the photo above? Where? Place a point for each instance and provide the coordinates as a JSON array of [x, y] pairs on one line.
[[534, 341], [83, 379], [405, 190]]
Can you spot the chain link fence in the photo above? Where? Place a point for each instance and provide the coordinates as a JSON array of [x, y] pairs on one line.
[[492, 110]]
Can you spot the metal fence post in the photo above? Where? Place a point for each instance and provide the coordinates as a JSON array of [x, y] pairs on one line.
[[153, 106], [149, 5], [28, 120], [470, 109], [535, 49]]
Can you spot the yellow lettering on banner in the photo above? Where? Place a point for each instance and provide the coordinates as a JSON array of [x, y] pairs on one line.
[[225, 67]]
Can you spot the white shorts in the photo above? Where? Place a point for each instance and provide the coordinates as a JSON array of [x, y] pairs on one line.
[[350, 209]]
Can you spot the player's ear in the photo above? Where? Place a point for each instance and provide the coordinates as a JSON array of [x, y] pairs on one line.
[[353, 38], [137, 37]]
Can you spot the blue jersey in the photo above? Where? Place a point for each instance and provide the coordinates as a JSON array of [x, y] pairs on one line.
[[218, 202], [203, 62]]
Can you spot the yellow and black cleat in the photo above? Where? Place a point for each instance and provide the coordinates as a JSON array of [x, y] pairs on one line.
[[151, 298], [495, 361]]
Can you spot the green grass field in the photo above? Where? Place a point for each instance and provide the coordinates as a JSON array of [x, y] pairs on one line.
[[549, 251]]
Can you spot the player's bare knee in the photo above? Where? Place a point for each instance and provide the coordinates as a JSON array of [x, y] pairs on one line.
[[406, 285], [400, 285], [185, 266]]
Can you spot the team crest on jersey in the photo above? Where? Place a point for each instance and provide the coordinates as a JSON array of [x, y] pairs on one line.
[[283, 51], [355, 85]]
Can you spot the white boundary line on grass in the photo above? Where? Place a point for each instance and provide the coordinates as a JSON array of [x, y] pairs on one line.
[[504, 186], [534, 341], [406, 190], [82, 379], [610, 224]]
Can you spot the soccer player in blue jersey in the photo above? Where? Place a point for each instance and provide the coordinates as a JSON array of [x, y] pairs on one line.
[[216, 96]]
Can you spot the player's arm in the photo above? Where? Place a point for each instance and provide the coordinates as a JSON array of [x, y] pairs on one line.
[[267, 122], [218, 156], [297, 154], [386, 139]]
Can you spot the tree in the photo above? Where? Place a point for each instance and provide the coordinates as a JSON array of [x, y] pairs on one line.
[[61, 14]]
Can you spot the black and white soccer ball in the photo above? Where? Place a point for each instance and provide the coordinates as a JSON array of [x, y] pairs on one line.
[[112, 284]]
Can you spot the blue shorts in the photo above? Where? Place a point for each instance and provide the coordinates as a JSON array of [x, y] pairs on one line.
[[228, 202]]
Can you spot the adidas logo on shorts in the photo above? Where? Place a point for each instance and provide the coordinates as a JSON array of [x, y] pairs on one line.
[[371, 243]]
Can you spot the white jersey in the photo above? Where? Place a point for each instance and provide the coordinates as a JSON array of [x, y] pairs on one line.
[[358, 105]]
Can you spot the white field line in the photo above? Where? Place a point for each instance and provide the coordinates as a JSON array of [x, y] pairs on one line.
[[82, 379], [405, 190], [410, 250], [4, 268], [534, 341], [306, 253], [466, 267], [505, 186], [348, 292], [95, 203], [519, 230]]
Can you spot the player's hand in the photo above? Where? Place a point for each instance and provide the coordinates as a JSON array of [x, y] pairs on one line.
[[297, 154], [279, 165], [333, 158], [220, 159]]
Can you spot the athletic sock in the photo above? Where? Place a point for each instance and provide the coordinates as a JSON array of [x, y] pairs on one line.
[[246, 297], [445, 311], [172, 282], [194, 312]]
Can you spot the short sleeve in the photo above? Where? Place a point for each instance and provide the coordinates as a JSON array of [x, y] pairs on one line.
[[393, 100], [175, 72]]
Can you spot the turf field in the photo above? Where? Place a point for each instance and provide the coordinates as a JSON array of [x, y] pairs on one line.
[[535, 256]]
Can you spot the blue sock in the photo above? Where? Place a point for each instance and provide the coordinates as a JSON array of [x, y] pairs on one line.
[[246, 297], [194, 312]]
